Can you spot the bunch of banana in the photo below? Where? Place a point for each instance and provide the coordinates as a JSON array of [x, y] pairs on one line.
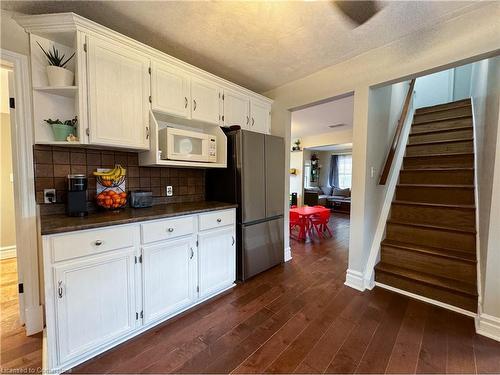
[[113, 174]]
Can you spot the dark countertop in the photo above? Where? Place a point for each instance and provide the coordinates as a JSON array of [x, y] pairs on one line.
[[52, 224]]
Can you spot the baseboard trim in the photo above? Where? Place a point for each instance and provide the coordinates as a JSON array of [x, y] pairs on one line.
[[428, 300], [489, 326], [355, 280], [7, 252], [288, 254]]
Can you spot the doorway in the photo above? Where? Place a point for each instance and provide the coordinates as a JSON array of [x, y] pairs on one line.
[[321, 164], [21, 315]]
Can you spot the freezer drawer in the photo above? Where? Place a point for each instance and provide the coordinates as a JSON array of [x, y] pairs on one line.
[[262, 247]]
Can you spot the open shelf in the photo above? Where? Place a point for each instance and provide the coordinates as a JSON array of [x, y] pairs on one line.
[[66, 91]]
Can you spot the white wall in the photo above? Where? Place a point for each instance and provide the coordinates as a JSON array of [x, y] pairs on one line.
[[485, 87], [12, 36], [461, 84], [296, 181], [434, 89], [456, 41]]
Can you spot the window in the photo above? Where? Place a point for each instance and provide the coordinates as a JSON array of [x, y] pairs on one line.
[[345, 171]]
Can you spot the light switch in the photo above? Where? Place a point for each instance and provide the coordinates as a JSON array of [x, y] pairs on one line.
[[372, 172]]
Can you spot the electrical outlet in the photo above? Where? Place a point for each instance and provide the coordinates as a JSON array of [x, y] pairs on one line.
[[170, 191], [372, 172], [49, 196]]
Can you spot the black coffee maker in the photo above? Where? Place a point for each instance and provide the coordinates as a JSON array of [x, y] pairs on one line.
[[77, 195]]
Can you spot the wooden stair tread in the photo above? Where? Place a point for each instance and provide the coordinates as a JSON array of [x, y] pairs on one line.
[[423, 143], [441, 155], [442, 119], [431, 226], [437, 110], [437, 186], [441, 252], [444, 106], [434, 131], [440, 205], [437, 169], [431, 280]]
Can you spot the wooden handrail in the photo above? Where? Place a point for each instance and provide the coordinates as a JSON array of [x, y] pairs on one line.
[[397, 135]]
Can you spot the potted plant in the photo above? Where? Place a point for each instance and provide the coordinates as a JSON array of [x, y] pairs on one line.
[[57, 74], [63, 130]]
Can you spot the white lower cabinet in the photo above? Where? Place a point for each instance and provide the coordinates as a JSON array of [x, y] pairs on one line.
[[169, 274], [105, 291], [216, 260], [95, 301]]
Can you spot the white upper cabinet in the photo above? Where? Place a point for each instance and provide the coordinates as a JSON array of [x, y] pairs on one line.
[[118, 98], [205, 97], [170, 90], [260, 115], [236, 109], [95, 301]]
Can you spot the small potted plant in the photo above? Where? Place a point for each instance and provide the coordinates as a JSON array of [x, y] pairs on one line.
[[63, 130], [57, 74]]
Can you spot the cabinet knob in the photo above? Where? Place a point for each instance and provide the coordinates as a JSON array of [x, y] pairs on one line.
[[192, 254], [59, 289], [185, 102], [219, 220], [194, 104], [253, 121], [170, 230], [98, 243], [248, 120]]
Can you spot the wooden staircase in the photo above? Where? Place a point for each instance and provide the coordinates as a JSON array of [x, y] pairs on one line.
[[430, 243]]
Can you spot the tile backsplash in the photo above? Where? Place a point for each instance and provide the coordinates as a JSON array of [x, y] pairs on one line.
[[53, 164]]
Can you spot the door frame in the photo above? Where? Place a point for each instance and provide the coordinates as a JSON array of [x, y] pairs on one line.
[[24, 182]]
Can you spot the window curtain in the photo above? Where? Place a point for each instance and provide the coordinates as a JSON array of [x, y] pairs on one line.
[[333, 178]]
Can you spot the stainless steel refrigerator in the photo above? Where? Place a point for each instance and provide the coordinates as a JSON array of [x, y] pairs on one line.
[[255, 180]]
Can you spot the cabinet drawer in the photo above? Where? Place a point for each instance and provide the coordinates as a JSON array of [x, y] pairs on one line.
[[78, 244], [217, 219], [166, 229]]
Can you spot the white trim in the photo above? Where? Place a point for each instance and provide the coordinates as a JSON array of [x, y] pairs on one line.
[[478, 229], [428, 300], [355, 280], [31, 311], [288, 254], [488, 326], [7, 252], [392, 181]]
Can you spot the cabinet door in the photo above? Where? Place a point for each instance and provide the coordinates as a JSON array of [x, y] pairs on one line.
[[118, 95], [169, 274], [169, 90], [236, 109], [260, 116], [205, 98], [216, 260], [95, 301]]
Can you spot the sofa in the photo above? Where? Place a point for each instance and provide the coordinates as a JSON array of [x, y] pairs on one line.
[[337, 199]]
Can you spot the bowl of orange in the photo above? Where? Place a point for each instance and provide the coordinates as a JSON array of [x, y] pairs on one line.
[[111, 200]]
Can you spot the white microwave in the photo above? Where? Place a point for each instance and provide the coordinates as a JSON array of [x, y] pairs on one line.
[[179, 144]]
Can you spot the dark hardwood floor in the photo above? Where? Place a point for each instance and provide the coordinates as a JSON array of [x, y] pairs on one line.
[[18, 353], [300, 318]]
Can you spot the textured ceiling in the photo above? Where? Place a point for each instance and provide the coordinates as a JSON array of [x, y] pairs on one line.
[[258, 44], [317, 119]]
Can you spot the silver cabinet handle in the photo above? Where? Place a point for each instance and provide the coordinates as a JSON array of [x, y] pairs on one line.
[[170, 230], [233, 240], [192, 254], [253, 121], [194, 104], [59, 289], [98, 243], [185, 102], [219, 220]]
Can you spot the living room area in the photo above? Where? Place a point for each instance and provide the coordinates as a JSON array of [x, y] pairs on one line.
[[321, 164]]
